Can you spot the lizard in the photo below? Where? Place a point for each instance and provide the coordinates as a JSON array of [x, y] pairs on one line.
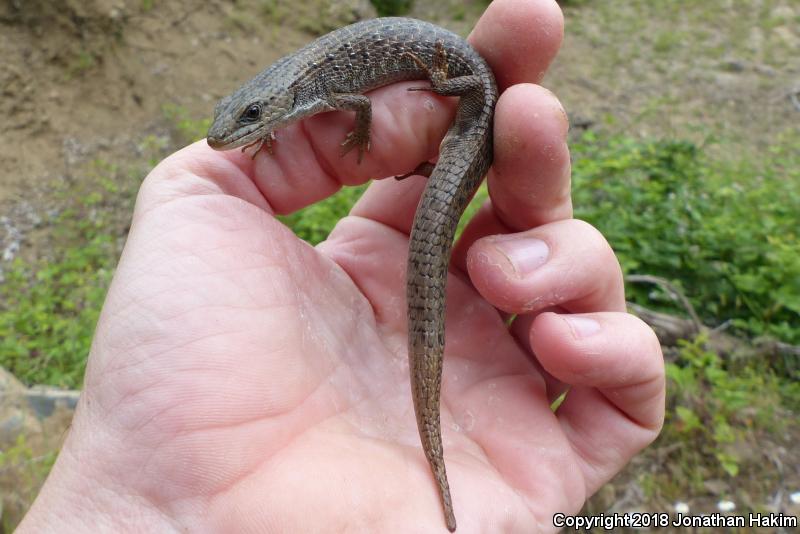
[[333, 73]]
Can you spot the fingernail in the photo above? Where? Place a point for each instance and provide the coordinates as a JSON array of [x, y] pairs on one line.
[[581, 326], [524, 253]]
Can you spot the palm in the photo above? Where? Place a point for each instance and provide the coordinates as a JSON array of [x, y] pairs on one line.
[[297, 372]]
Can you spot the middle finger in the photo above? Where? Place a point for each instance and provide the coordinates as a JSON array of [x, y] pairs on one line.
[[566, 264]]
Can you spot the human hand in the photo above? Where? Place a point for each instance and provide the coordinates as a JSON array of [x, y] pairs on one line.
[[241, 380]]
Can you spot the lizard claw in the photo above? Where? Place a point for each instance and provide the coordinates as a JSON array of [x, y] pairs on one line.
[[436, 72], [423, 169], [267, 140], [356, 140]]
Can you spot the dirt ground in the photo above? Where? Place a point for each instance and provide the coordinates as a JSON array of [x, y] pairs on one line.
[[84, 81]]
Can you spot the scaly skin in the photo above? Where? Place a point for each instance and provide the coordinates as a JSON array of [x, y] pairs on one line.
[[332, 73]]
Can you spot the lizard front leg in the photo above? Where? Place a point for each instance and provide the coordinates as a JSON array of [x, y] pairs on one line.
[[359, 137], [265, 141]]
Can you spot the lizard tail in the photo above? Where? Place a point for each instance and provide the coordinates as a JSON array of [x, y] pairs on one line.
[[464, 157], [429, 256], [426, 350], [426, 392]]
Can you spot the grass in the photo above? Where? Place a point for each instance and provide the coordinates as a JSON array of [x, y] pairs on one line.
[[392, 8], [682, 53], [49, 304], [312, 17], [724, 231], [24, 470], [275, 11], [187, 128], [714, 405], [81, 62], [676, 28]]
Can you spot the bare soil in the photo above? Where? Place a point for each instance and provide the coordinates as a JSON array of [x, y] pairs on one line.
[[84, 80]]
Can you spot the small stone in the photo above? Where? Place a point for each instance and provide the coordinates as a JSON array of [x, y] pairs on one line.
[[734, 65], [9, 385], [726, 506], [44, 400], [716, 486], [15, 416], [766, 70]]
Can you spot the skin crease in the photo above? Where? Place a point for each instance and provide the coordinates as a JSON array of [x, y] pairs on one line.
[[242, 381]]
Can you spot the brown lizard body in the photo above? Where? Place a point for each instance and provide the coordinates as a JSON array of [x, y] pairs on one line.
[[332, 73]]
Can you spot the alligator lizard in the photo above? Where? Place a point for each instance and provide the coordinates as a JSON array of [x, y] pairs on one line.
[[332, 73]]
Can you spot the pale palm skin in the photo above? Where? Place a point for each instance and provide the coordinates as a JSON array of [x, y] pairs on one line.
[[243, 381]]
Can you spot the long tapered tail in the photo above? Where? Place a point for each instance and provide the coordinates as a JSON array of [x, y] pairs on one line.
[[446, 195], [427, 278]]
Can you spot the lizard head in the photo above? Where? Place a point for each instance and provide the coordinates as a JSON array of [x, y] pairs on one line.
[[246, 116]]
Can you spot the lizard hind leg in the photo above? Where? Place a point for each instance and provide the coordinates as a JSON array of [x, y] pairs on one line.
[[437, 74]]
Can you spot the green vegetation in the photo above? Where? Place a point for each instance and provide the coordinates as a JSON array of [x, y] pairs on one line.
[[49, 305], [22, 469], [314, 223], [47, 321], [566, 3], [275, 11], [715, 406], [81, 62], [726, 232], [713, 410], [392, 8], [187, 129]]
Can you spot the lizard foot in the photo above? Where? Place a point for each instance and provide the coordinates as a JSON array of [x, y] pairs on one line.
[[356, 139], [436, 72], [423, 169]]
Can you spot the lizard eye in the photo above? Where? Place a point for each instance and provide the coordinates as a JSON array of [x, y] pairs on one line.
[[252, 113]]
